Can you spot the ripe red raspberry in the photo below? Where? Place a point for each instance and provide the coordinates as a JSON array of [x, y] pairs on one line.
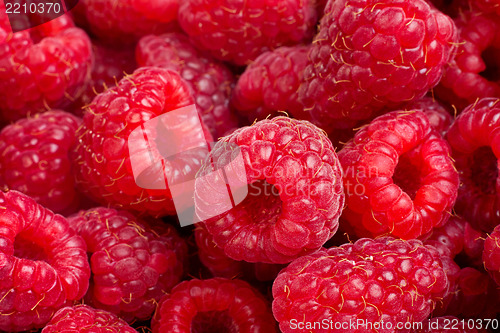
[[34, 158], [43, 263], [398, 176], [439, 117], [270, 84], [83, 319], [125, 21], [220, 265], [211, 82], [132, 264], [110, 66], [371, 54], [372, 280], [449, 236], [41, 68], [475, 141], [446, 324], [214, 305], [239, 31], [102, 164], [473, 246], [295, 193], [491, 254], [473, 73]]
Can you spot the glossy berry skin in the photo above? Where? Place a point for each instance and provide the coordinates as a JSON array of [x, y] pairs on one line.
[[294, 198], [210, 81], [439, 117], [399, 177], [84, 319], [125, 21], [34, 158], [491, 254], [463, 80], [475, 140], [373, 54], [214, 305], [261, 26], [132, 264], [43, 263], [382, 279], [270, 84], [43, 68], [101, 158]]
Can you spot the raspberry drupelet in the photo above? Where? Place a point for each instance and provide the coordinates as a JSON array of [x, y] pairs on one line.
[[399, 177], [295, 194], [43, 263], [84, 319], [133, 264], [372, 54], [373, 280], [210, 81], [261, 26], [214, 305], [42, 68], [491, 254], [475, 142], [34, 159]]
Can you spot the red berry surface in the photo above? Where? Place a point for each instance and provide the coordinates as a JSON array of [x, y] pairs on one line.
[[451, 236], [491, 254], [295, 193], [372, 280], [439, 117], [399, 177], [125, 21], [102, 164], [475, 140], [473, 73], [43, 263], [84, 319], [34, 158], [214, 305], [372, 54], [270, 84], [211, 82], [41, 68], [133, 265], [239, 31]]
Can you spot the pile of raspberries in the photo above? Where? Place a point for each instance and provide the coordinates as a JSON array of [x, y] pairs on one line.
[[338, 172]]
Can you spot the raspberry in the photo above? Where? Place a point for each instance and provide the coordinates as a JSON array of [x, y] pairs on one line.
[[220, 265], [439, 117], [473, 246], [270, 84], [43, 263], [491, 254], [239, 31], [372, 280], [110, 65], [84, 319], [295, 192], [371, 54], [34, 158], [466, 77], [101, 158], [398, 176], [132, 264], [215, 305], [451, 236], [211, 82], [475, 143], [41, 68], [446, 324], [125, 21]]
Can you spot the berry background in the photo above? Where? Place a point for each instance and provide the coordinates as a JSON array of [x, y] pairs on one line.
[[359, 141]]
